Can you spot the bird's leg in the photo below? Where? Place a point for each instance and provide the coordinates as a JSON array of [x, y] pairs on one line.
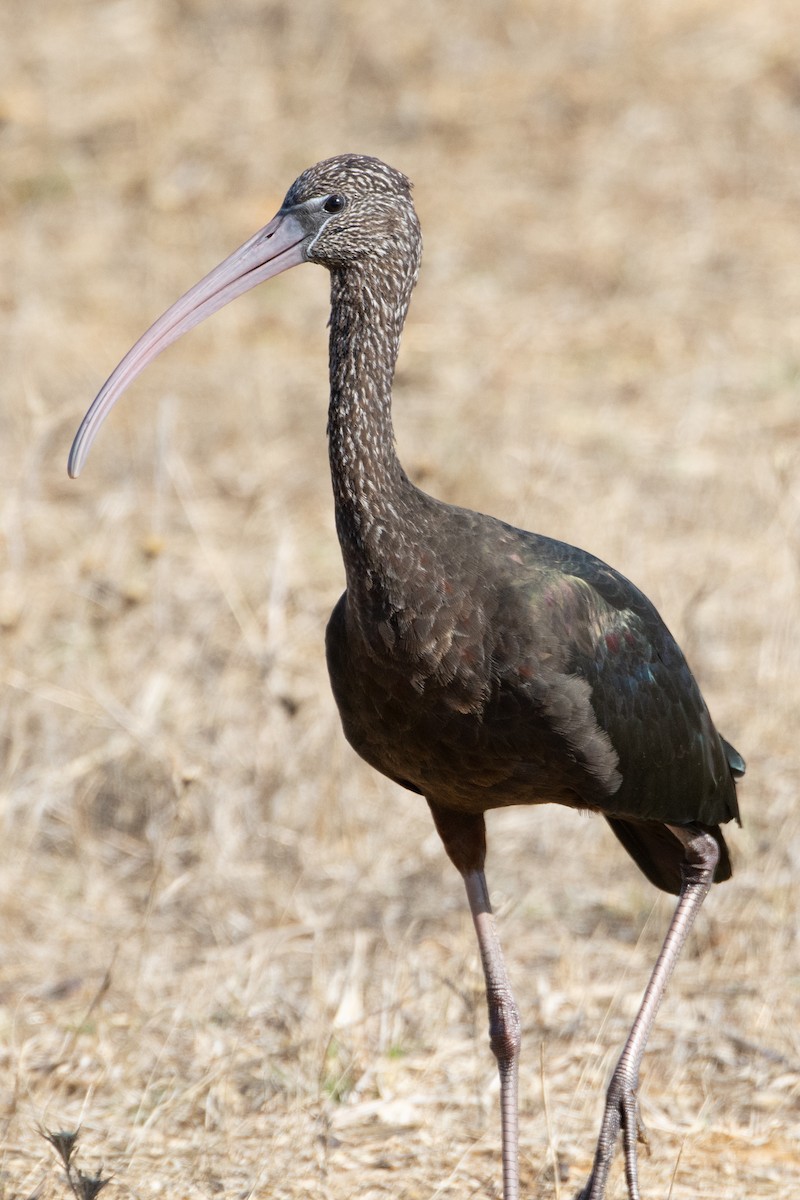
[[505, 1033], [622, 1110], [464, 839]]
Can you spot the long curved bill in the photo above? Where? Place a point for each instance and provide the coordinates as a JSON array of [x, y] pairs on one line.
[[275, 248]]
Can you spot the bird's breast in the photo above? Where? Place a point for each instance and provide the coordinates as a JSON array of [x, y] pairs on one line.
[[428, 697]]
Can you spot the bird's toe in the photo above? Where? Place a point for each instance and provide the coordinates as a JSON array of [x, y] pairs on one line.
[[621, 1115]]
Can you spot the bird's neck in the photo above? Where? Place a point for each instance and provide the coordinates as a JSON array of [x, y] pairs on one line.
[[374, 498]]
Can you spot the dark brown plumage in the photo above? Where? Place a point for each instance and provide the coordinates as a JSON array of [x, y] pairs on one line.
[[474, 663]]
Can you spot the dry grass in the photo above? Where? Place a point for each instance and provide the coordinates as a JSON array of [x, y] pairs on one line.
[[230, 953]]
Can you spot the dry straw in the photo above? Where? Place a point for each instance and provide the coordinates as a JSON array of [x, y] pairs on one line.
[[232, 955]]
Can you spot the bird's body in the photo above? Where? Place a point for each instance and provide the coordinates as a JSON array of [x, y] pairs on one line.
[[474, 663], [509, 669]]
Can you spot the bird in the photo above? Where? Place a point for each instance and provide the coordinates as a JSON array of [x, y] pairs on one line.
[[474, 663]]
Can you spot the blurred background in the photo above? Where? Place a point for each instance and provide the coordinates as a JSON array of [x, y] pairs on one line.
[[230, 953]]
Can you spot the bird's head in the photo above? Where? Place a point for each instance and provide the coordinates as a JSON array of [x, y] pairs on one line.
[[343, 212], [355, 208]]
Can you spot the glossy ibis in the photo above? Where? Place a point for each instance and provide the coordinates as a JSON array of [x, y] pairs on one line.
[[474, 663]]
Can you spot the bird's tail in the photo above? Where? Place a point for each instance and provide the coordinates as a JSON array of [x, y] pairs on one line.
[[735, 761], [660, 855]]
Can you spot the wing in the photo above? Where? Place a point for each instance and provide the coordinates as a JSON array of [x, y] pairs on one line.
[[673, 764]]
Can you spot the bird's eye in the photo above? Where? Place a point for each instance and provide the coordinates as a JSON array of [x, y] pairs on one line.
[[334, 204]]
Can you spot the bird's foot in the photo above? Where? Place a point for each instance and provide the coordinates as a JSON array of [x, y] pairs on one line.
[[621, 1115]]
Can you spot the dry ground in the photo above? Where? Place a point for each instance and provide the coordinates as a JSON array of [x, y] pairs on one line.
[[233, 955]]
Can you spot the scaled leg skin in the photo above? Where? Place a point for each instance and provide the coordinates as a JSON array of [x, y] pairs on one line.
[[622, 1108], [464, 839]]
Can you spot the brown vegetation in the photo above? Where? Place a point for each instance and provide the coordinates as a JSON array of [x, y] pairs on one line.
[[230, 953]]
